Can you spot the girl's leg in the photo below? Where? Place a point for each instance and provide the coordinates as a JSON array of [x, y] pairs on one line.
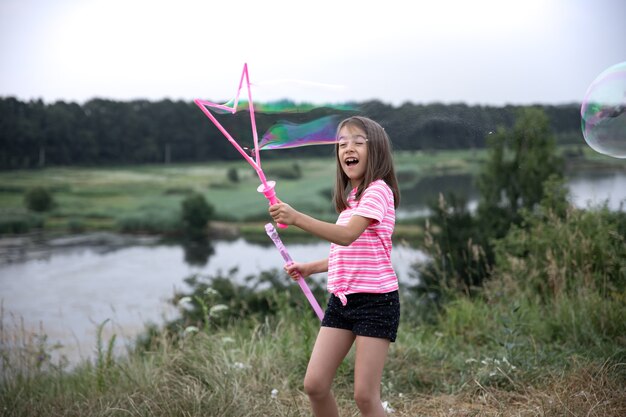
[[331, 347], [371, 353]]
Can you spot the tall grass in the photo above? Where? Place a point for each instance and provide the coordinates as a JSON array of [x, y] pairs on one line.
[[486, 356]]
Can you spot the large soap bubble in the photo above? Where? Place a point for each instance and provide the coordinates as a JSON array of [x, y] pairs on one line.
[[603, 112]]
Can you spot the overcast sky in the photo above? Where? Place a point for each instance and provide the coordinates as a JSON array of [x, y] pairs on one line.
[[474, 51]]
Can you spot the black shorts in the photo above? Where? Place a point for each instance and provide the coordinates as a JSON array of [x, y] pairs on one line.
[[373, 315]]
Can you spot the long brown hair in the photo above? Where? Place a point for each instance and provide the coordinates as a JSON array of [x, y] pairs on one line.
[[379, 162]]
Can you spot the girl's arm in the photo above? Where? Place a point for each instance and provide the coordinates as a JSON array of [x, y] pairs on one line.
[[306, 268], [340, 235]]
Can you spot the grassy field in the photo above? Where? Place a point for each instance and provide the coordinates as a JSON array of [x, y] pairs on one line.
[[111, 198]]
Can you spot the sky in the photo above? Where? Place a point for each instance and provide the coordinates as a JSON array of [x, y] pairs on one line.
[[486, 52]]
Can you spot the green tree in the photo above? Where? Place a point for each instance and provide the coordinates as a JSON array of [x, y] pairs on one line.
[[38, 199], [522, 172], [196, 213], [520, 161]]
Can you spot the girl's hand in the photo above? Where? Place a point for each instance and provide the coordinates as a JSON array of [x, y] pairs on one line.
[[283, 213], [297, 270]]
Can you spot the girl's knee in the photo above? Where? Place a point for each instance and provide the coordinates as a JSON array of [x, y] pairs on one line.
[[366, 401], [315, 387]]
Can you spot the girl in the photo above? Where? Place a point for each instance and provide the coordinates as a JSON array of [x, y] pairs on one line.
[[364, 307]]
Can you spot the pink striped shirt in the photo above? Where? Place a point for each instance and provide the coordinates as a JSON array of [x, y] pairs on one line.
[[365, 265]]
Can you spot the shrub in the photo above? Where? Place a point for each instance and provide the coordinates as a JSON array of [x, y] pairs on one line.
[[19, 221], [196, 213], [455, 242], [232, 175], [554, 256], [38, 199], [292, 172], [262, 296]]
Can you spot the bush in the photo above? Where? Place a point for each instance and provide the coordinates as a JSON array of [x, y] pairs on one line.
[[196, 213], [38, 199], [233, 175], [262, 296], [19, 222], [292, 172], [453, 238], [552, 257]]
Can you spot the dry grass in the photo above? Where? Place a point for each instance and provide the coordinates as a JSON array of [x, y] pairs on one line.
[[586, 391]]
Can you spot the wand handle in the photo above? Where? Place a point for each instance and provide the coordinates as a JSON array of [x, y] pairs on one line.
[[268, 191], [273, 234]]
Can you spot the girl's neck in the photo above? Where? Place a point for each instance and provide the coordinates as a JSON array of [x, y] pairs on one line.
[[355, 183]]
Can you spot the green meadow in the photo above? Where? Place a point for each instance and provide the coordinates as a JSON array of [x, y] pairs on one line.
[[147, 198]]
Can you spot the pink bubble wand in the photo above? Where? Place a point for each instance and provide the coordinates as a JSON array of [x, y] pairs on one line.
[[266, 187], [273, 234]]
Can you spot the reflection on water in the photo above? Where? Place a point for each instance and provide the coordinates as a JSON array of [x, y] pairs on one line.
[[587, 189], [591, 189], [416, 199], [198, 252]]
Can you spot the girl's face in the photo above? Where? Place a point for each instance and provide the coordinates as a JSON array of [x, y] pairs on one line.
[[352, 153]]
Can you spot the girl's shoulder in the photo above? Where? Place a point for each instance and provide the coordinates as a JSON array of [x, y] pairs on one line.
[[379, 185]]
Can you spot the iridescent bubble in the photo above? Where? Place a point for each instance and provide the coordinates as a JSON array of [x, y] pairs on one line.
[[281, 106], [286, 134], [603, 112]]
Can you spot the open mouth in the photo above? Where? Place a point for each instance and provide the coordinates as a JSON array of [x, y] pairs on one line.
[[351, 161]]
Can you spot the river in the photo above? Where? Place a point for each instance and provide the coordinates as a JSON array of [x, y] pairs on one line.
[[70, 285]]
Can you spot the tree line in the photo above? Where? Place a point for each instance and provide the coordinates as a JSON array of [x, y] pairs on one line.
[[105, 132]]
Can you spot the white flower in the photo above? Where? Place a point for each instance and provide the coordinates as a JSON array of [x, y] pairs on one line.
[[211, 291], [184, 301], [274, 393], [387, 407], [217, 309], [191, 329], [239, 365], [508, 363], [227, 339]]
